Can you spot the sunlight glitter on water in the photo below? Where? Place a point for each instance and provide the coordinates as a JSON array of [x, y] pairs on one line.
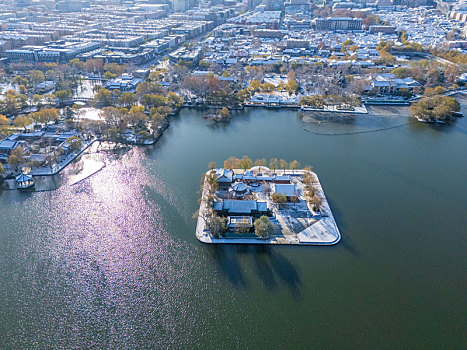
[[115, 257], [112, 261]]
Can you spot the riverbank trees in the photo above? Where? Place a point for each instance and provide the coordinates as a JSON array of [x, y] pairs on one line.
[[209, 90], [216, 224], [5, 127], [4, 120], [44, 116], [225, 113], [315, 101], [274, 164], [102, 98], [74, 143], [340, 101], [435, 108], [12, 103], [22, 121], [142, 112], [263, 227], [294, 165], [128, 99], [310, 191], [16, 157]]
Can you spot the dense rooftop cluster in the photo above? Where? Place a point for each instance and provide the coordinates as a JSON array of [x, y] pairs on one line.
[[141, 61]]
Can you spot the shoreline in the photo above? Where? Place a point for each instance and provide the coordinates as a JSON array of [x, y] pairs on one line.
[[66, 162], [327, 109], [73, 156], [166, 124]]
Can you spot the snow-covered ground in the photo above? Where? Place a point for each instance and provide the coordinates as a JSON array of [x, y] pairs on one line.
[[296, 222]]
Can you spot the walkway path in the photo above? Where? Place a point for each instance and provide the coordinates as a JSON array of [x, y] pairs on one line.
[[59, 167]]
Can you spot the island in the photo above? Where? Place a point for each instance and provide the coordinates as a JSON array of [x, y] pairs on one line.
[[263, 206], [435, 109]]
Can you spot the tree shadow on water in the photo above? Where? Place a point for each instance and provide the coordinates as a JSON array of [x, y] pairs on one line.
[[226, 258], [264, 271], [345, 241], [271, 267], [449, 127], [287, 273]]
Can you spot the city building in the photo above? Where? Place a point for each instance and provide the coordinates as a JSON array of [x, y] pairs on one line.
[[338, 23]]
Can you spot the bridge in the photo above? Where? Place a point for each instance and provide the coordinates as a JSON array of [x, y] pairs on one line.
[[73, 100]]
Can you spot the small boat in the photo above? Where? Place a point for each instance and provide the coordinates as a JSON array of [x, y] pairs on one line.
[[24, 182], [457, 114]]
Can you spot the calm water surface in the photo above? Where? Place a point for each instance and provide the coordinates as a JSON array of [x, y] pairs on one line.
[[112, 261]]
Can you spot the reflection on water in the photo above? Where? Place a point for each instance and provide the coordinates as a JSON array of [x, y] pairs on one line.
[[111, 260], [271, 267], [87, 169], [101, 262], [378, 119], [86, 165]]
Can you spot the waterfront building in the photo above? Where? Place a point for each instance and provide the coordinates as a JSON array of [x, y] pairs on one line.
[[241, 208], [282, 179], [6, 147], [45, 86], [388, 83], [239, 189], [24, 181], [224, 175], [247, 176], [125, 83], [239, 223], [288, 190]]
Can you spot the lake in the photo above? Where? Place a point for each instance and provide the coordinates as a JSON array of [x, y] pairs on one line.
[[111, 261]]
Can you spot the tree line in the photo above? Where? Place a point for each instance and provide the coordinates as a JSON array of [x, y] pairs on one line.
[[435, 108]]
